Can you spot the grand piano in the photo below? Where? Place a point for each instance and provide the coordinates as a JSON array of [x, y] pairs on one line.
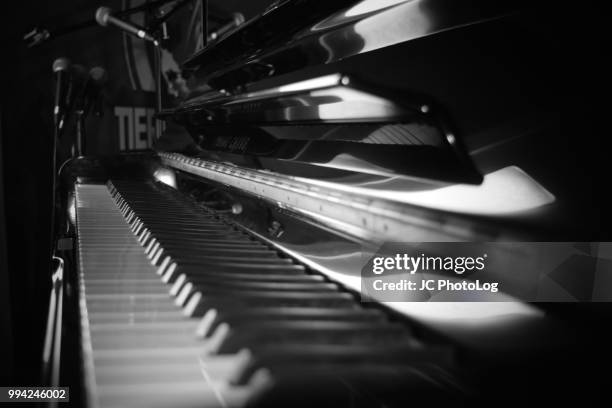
[[225, 270]]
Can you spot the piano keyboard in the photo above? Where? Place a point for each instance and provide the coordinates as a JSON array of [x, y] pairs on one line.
[[181, 308]]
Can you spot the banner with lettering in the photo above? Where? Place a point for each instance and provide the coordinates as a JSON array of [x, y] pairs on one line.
[[126, 119]]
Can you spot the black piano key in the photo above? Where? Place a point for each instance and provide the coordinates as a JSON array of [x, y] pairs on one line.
[[158, 255], [163, 220], [187, 247], [230, 267], [174, 225], [234, 317], [271, 333], [187, 292], [193, 238], [260, 278], [204, 275], [187, 233], [244, 264], [184, 290], [216, 275], [170, 271], [195, 253], [339, 385], [198, 304], [209, 285], [322, 357], [208, 242]]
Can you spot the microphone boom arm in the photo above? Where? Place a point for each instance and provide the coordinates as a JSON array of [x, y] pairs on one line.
[[39, 35]]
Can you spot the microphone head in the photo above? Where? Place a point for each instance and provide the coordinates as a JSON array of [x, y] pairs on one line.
[[98, 75], [238, 18], [61, 64], [102, 15]]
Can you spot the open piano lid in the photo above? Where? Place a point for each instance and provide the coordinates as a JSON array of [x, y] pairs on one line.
[[417, 96], [278, 81]]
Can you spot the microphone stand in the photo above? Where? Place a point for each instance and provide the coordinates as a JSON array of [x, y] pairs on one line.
[[57, 129], [80, 143]]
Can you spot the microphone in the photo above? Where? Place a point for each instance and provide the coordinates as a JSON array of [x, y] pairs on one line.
[[90, 92], [76, 82], [60, 69], [104, 17], [84, 100], [36, 37]]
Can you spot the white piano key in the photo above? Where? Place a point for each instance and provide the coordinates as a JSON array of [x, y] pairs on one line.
[[140, 350], [182, 395]]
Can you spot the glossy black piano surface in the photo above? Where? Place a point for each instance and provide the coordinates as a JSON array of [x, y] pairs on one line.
[[429, 92]]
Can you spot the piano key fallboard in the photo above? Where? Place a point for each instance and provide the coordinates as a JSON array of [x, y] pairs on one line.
[[179, 307]]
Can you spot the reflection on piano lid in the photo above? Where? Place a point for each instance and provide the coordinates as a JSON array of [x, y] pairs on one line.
[[298, 34], [414, 137], [507, 191], [330, 98]]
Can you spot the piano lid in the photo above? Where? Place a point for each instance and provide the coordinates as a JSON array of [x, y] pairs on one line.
[[396, 133], [295, 34], [391, 88], [333, 98]]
